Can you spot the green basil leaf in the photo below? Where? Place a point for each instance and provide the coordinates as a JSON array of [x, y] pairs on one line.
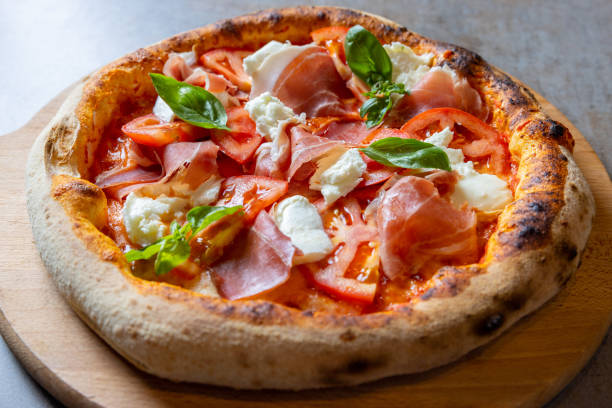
[[366, 56], [385, 88], [173, 252], [191, 103], [376, 109], [145, 253], [201, 217], [407, 153]]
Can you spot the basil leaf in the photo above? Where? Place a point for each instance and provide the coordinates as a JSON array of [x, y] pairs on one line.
[[407, 153], [376, 109], [191, 103], [384, 88], [146, 253], [366, 57], [173, 252], [203, 216]]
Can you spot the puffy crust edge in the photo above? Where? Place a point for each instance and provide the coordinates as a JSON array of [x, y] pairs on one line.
[[246, 344]]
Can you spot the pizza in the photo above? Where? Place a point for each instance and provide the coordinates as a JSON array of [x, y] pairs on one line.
[[304, 198]]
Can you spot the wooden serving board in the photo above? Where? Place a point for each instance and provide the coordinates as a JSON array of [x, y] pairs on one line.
[[525, 367]]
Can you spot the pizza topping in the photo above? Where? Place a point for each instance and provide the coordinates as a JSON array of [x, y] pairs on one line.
[[369, 61], [301, 181], [254, 193], [174, 249], [191, 103], [416, 224], [297, 218], [341, 177], [266, 64], [146, 219], [259, 260], [407, 153], [485, 192], [241, 142], [352, 238], [408, 67], [440, 87], [311, 84]]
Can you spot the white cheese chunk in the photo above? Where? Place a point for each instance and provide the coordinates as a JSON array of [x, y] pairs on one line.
[[146, 219], [408, 67], [271, 115], [162, 110], [343, 176], [297, 218], [485, 192], [265, 65]]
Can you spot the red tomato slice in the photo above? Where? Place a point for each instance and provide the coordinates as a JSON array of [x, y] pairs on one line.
[[229, 64], [254, 193], [239, 144], [333, 33], [148, 130], [477, 139]]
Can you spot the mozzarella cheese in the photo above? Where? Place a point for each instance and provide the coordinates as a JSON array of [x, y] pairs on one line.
[[266, 64], [163, 111], [485, 192], [297, 218], [408, 67], [207, 192], [271, 116], [341, 177], [146, 219]]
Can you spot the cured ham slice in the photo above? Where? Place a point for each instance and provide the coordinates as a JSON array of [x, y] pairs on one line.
[[352, 132], [439, 88], [311, 84], [179, 65], [305, 148], [415, 224], [260, 260], [187, 164]]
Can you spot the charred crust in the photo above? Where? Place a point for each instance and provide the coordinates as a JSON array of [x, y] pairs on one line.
[[274, 18], [450, 281], [567, 250], [357, 366], [229, 28], [347, 336], [490, 324]]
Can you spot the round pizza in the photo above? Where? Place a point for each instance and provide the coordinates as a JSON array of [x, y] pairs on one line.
[[303, 198]]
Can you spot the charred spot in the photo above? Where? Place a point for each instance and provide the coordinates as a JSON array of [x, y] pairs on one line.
[[427, 295], [348, 336], [537, 206], [517, 100], [275, 18], [260, 312], [515, 302], [308, 313], [321, 15], [556, 130], [568, 249], [229, 28], [228, 310], [489, 324]]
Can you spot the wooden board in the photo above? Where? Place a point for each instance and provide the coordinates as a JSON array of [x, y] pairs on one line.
[[526, 367]]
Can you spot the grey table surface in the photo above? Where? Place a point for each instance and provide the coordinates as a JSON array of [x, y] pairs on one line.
[[562, 49]]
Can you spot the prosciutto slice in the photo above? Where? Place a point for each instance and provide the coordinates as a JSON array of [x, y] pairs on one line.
[[186, 163], [305, 148], [439, 88], [260, 260], [415, 224], [352, 132], [311, 84]]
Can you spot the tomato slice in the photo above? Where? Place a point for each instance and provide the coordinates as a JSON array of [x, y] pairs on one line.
[[229, 64], [333, 33], [477, 139], [241, 142], [254, 193], [150, 131]]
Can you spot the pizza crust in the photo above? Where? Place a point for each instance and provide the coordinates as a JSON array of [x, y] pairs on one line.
[[186, 336]]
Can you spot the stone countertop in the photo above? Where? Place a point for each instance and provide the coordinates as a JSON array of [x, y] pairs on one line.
[[561, 49]]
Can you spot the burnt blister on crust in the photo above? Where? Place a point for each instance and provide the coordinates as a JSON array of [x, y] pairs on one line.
[[355, 367], [490, 324]]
